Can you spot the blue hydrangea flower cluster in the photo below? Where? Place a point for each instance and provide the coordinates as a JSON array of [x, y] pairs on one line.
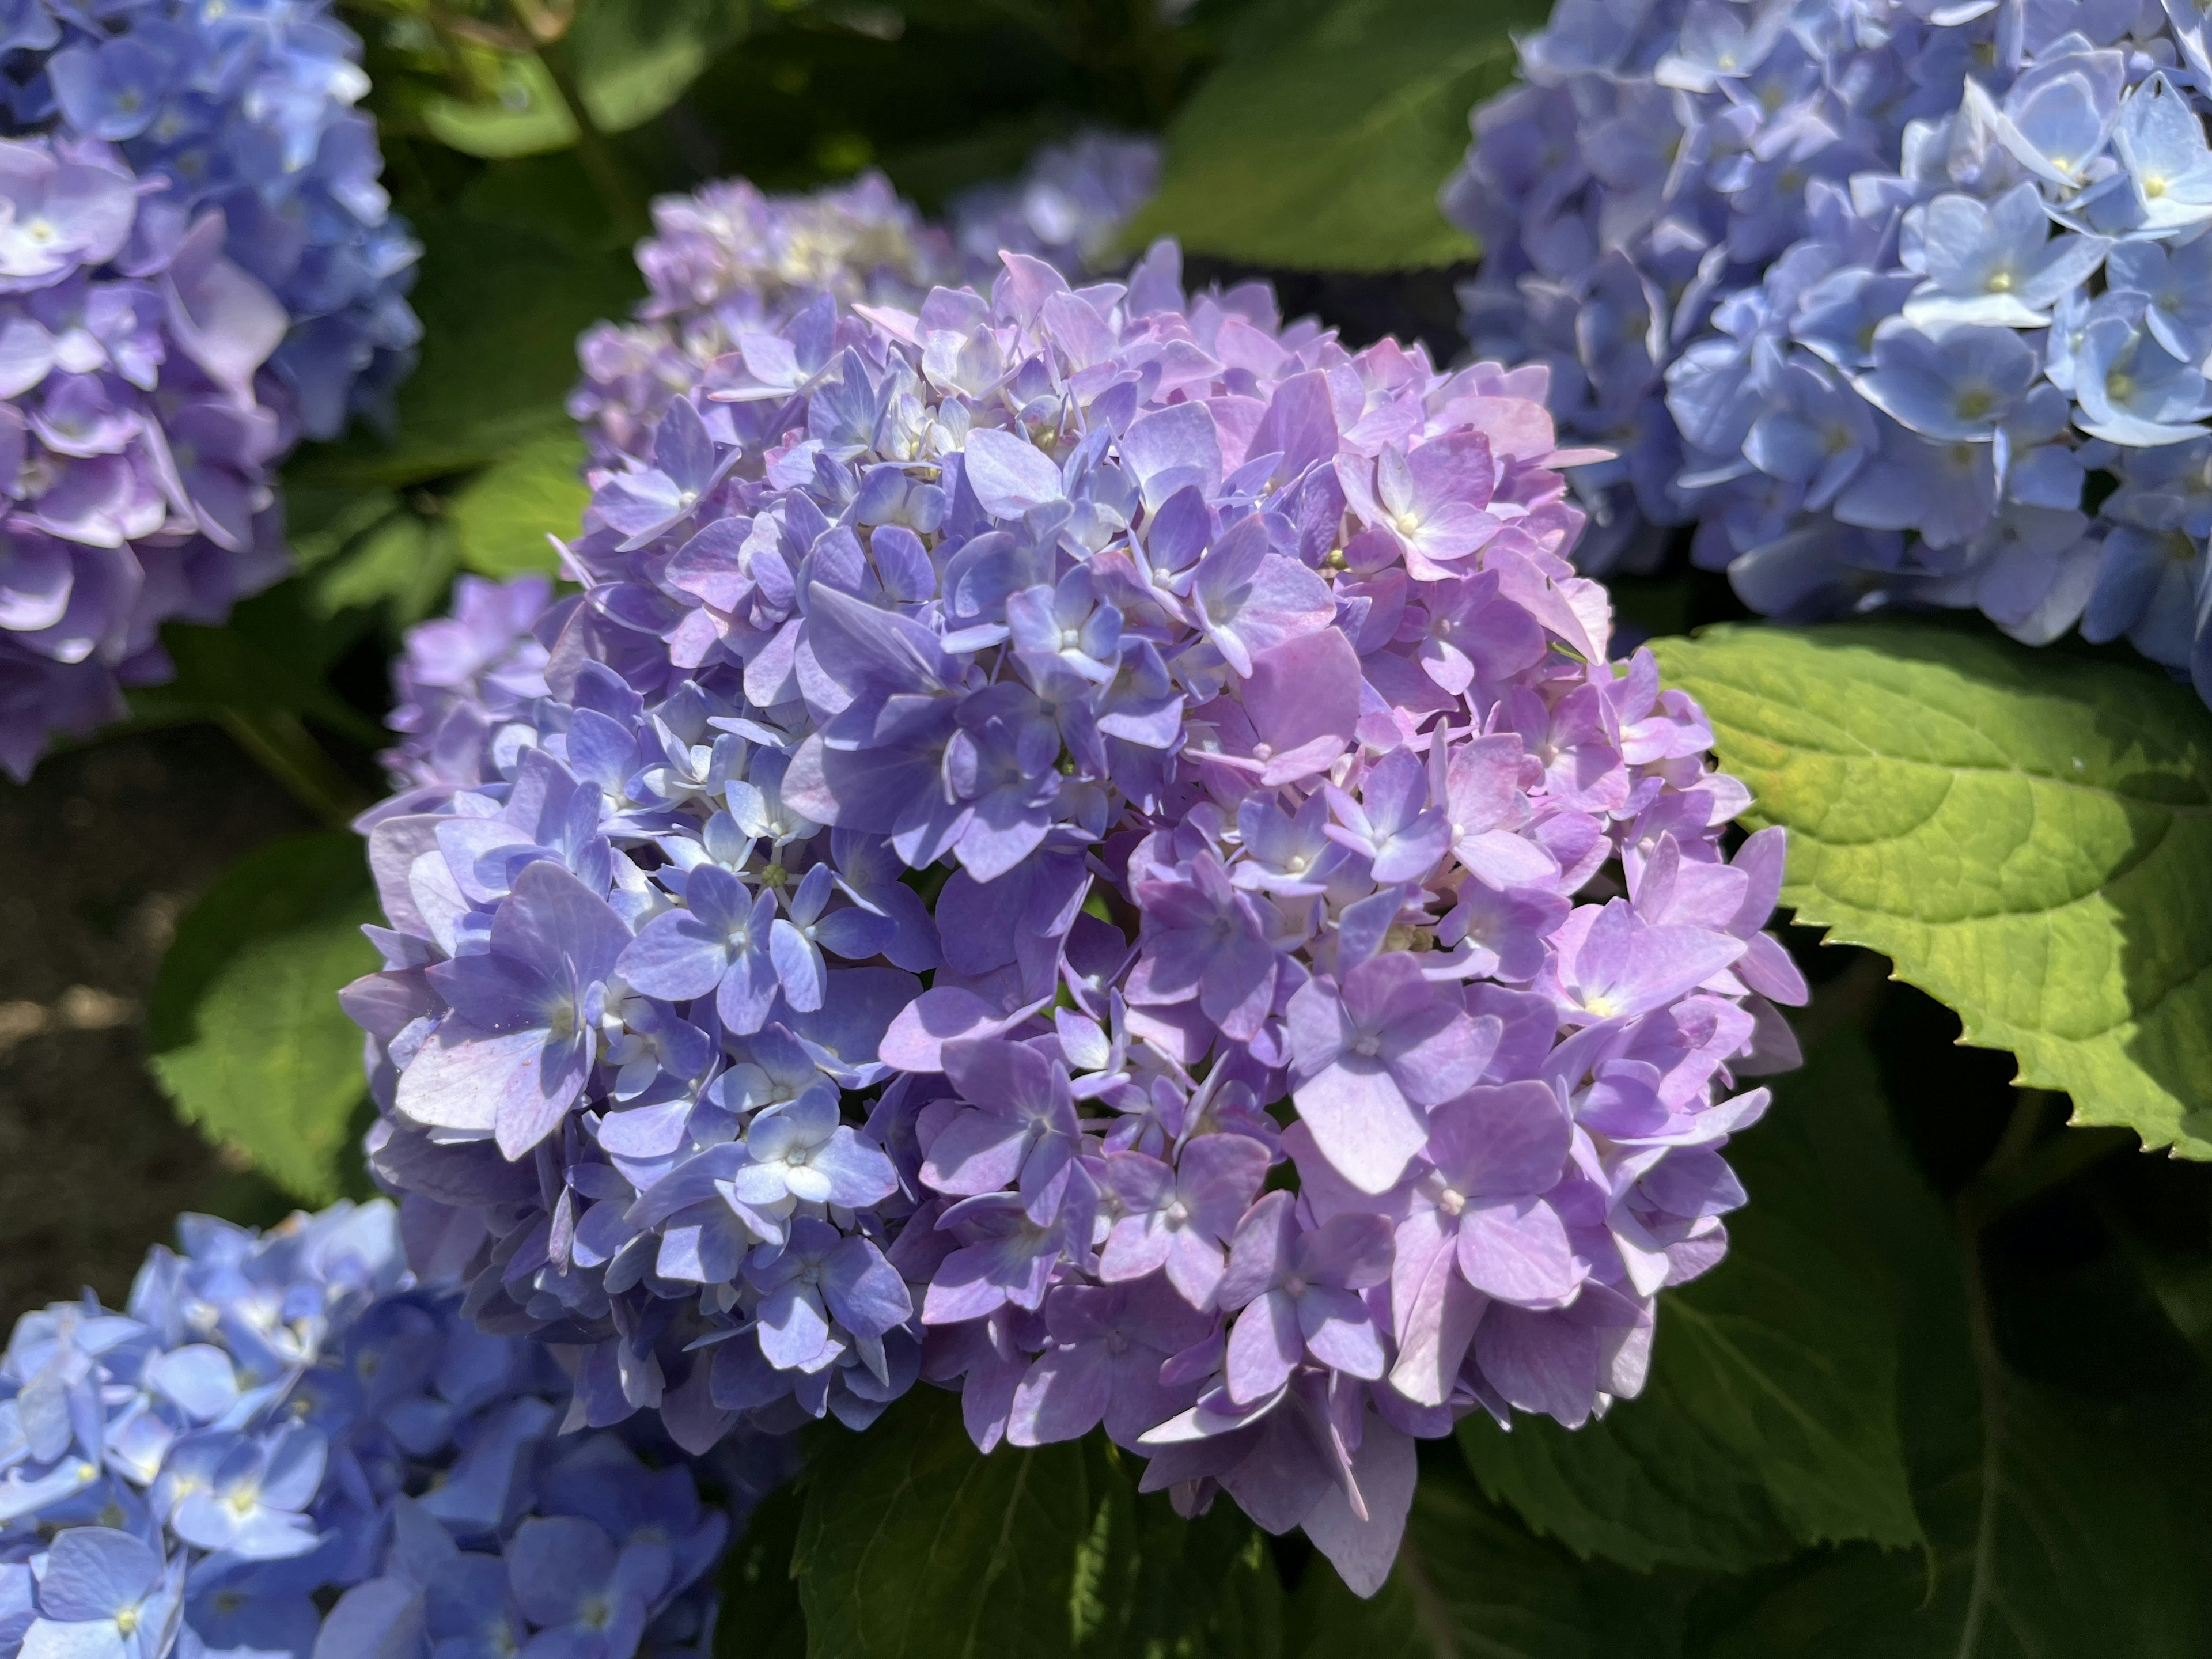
[[283, 1446], [1211, 714], [1896, 302], [199, 265], [729, 261]]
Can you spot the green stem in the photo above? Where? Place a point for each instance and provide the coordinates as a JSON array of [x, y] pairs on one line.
[[1988, 1374], [610, 179], [289, 752], [2021, 1167]]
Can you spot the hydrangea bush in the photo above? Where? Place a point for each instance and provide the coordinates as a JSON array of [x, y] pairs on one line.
[[1212, 713], [199, 268], [1064, 893], [1896, 304], [285, 1444]]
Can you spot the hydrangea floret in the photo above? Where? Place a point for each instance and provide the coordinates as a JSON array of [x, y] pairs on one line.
[[729, 260], [1335, 977], [198, 266], [1896, 303], [285, 1445]]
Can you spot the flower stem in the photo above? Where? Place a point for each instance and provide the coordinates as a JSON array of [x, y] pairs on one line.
[[289, 753], [610, 179]]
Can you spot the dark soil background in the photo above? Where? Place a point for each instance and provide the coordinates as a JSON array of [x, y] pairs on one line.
[[100, 854]]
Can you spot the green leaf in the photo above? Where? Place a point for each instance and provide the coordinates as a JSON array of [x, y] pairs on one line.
[[635, 57], [1471, 1584], [528, 117], [247, 1033], [760, 1617], [1323, 144], [2027, 834], [501, 520], [1769, 1418], [500, 308], [322, 522], [913, 1545], [2056, 1524], [632, 59], [403, 565]]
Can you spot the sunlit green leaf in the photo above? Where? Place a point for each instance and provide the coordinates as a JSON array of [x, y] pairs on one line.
[[2027, 835], [526, 118], [501, 519]]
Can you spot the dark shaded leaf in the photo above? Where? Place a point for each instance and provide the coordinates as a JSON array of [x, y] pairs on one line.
[[1770, 1420], [914, 1545]]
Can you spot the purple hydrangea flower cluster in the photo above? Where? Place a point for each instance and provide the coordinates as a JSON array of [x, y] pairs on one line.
[[1869, 292], [1068, 207], [729, 261], [199, 265], [463, 674], [1505, 1107], [1211, 714], [282, 1446]]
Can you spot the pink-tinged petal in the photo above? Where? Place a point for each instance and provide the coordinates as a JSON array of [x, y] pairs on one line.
[[1362, 1547], [1264, 1346], [1361, 1122], [458, 1079], [1138, 1245], [1062, 1397], [1304, 695], [1518, 1252], [538, 1097]]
